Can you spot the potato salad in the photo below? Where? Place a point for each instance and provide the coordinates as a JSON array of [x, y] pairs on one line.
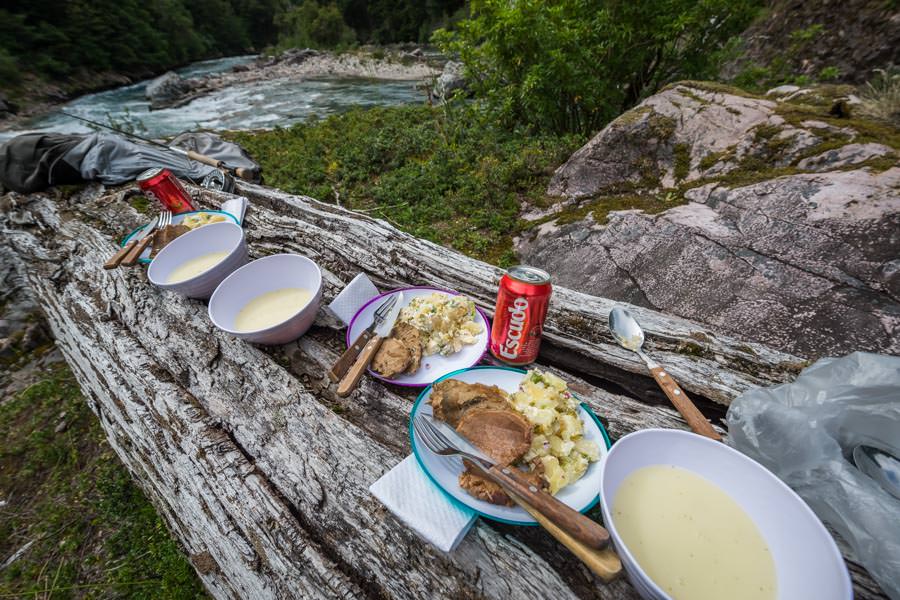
[[558, 442], [446, 322]]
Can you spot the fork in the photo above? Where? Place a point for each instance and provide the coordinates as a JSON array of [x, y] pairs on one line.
[[343, 364], [165, 218], [572, 529]]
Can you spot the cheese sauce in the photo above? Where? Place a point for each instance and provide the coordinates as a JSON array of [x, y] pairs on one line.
[[191, 268], [691, 538], [271, 308]]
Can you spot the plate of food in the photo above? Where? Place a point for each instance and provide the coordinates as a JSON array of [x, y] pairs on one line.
[[181, 224], [437, 332], [531, 420]]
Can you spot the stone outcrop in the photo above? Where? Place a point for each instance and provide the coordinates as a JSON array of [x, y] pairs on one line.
[[451, 81], [771, 220], [168, 91]]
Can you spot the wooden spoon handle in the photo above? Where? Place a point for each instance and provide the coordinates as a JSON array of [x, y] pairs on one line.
[[132, 257], [695, 419], [116, 259], [578, 526], [605, 564], [348, 383]]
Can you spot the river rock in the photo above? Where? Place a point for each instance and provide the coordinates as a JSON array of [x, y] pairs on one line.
[[452, 80], [167, 90], [7, 108], [776, 232]]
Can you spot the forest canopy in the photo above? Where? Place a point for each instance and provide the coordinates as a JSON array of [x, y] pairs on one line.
[[56, 40]]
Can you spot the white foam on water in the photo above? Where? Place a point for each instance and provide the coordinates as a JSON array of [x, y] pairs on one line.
[[258, 105]]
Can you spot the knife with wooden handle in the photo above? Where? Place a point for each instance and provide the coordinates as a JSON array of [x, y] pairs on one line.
[[383, 327]]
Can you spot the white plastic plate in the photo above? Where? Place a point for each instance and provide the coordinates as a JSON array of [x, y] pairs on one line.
[[444, 471], [432, 367]]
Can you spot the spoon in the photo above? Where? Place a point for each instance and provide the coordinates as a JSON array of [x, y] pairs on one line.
[[630, 336], [880, 466]]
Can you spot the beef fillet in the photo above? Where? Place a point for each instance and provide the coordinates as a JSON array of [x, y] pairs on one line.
[[391, 359], [501, 433], [451, 399]]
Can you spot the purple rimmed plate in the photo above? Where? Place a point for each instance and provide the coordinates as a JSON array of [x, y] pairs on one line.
[[432, 367]]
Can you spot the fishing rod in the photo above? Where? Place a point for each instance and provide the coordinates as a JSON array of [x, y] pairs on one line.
[[245, 174]]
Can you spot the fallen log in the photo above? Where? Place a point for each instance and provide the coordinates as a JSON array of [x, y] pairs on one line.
[[259, 469]]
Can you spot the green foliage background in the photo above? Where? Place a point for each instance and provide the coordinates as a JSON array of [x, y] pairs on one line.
[[573, 65]]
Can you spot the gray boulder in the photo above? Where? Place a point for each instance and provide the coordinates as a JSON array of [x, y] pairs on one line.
[[168, 90], [450, 82], [765, 226]]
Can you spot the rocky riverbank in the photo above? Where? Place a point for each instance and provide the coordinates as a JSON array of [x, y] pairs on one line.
[[170, 90]]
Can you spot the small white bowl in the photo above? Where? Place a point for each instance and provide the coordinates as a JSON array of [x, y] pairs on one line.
[[807, 561], [215, 237], [262, 276]]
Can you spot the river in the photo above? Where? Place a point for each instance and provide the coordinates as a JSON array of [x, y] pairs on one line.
[[259, 105]]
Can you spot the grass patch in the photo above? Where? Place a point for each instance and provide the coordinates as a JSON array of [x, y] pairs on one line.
[[93, 532], [682, 161], [444, 174]]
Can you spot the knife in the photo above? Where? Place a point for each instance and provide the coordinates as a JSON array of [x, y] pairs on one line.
[[119, 256], [382, 330], [343, 364], [524, 492]]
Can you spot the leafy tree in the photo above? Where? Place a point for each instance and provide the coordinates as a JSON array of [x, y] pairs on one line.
[[314, 26], [572, 65]]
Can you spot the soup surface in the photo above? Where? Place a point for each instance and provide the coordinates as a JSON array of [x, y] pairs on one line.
[[271, 308], [691, 538], [195, 266]]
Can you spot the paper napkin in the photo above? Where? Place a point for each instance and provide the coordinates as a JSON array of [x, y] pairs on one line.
[[359, 291], [406, 490], [237, 207], [408, 493]]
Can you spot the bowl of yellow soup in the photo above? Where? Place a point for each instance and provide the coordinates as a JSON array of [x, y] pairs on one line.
[[692, 518], [272, 300], [195, 263]]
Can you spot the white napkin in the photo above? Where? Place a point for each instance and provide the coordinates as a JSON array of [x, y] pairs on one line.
[[406, 490], [359, 291], [408, 493], [236, 206]]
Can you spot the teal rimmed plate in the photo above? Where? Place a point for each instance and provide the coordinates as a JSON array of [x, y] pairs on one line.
[[176, 219], [444, 472]]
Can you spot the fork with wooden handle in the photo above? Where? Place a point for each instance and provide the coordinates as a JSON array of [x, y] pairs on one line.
[[165, 218], [587, 539]]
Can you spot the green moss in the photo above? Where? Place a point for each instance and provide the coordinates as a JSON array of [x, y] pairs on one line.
[[715, 87], [69, 495], [682, 156], [632, 116], [879, 164], [661, 126], [690, 94], [600, 208], [867, 130], [141, 204], [713, 158]]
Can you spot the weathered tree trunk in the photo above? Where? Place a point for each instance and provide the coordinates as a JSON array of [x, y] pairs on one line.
[[260, 470]]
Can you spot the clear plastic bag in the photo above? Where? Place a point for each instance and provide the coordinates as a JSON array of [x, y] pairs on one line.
[[805, 433]]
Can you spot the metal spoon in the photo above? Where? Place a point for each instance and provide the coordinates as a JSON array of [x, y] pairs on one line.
[[630, 336], [880, 466]]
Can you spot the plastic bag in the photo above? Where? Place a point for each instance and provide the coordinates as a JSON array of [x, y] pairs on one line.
[[805, 432]]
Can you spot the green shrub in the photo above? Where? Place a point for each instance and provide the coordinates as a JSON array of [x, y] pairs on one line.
[[573, 65], [449, 175], [9, 69]]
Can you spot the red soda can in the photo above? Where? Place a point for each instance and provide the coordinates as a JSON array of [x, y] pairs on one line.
[[161, 184], [522, 303]]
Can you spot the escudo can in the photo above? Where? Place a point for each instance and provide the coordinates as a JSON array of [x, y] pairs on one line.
[[161, 184], [522, 303]]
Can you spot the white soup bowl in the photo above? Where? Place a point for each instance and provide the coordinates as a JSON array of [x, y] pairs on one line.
[[215, 237], [262, 276], [807, 561]]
